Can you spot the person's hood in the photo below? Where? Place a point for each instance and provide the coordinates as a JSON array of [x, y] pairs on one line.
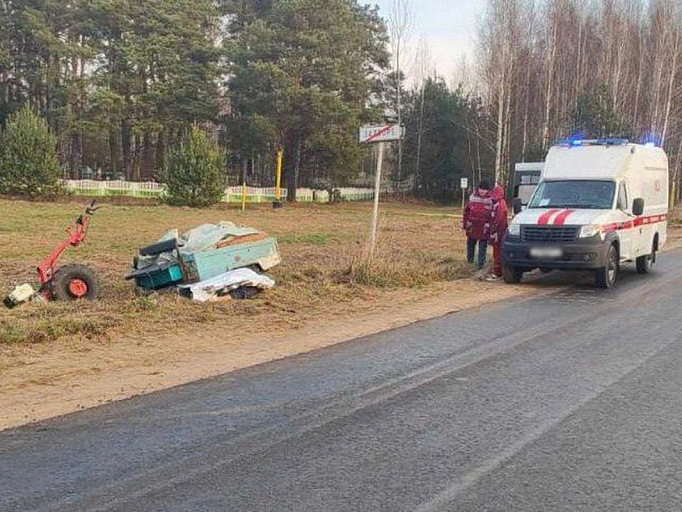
[[497, 194]]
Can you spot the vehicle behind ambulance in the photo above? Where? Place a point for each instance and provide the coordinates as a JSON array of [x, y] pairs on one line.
[[600, 204], [526, 179]]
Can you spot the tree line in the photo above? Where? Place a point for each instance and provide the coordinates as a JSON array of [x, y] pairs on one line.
[[558, 68], [120, 82], [124, 85]]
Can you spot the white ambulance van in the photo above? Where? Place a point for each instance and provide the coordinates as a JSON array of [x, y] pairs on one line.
[[600, 204]]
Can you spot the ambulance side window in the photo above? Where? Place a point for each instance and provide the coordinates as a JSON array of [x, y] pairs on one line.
[[622, 198]]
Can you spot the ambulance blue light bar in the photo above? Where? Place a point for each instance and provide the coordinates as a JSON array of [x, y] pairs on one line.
[[593, 142]]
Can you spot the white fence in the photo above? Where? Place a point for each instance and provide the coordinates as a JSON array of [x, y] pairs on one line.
[[151, 190]]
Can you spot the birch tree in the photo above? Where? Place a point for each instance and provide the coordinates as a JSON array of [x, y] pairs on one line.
[[400, 25]]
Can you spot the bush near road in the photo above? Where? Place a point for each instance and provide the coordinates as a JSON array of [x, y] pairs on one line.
[[321, 245]]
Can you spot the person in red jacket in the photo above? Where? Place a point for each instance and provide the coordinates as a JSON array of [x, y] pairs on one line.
[[476, 223], [499, 223]]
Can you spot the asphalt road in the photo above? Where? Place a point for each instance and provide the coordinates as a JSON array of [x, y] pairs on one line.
[[571, 401]]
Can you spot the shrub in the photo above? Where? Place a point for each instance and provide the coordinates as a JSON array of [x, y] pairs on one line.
[[194, 172], [29, 165]]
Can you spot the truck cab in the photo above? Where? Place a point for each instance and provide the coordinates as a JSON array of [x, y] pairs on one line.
[[600, 204]]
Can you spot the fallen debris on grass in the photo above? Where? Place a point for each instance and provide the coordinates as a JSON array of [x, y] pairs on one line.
[[243, 283], [207, 254], [19, 295]]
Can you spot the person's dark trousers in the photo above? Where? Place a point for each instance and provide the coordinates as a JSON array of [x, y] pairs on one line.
[[482, 250]]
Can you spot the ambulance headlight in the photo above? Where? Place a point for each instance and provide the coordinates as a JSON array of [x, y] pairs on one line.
[[515, 230], [590, 231]]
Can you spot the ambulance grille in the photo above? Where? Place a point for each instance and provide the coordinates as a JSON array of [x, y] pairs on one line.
[[557, 234]]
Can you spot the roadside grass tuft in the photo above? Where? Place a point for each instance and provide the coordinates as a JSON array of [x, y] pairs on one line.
[[145, 304], [50, 329], [409, 269]]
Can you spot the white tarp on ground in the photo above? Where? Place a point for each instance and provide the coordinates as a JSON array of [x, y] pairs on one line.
[[220, 285]]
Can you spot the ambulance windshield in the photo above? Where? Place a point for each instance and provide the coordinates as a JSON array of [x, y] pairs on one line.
[[591, 195]]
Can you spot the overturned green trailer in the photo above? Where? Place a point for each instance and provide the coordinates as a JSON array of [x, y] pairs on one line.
[[202, 254]]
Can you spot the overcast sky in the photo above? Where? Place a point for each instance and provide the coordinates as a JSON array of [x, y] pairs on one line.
[[448, 26]]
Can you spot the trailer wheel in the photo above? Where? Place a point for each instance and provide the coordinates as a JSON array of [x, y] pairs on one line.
[[74, 282]]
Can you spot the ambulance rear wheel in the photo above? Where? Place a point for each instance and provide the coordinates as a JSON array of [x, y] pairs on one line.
[[606, 277], [646, 263]]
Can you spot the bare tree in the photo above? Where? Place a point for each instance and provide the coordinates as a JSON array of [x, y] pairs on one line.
[[400, 26], [424, 69], [539, 57]]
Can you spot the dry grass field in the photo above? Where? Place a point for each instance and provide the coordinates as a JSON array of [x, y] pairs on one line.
[[322, 248]]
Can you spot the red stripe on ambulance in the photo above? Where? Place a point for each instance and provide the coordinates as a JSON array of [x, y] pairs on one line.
[[563, 217], [639, 221], [544, 218]]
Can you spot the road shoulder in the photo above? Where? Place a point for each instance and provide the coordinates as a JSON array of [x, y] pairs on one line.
[[43, 382]]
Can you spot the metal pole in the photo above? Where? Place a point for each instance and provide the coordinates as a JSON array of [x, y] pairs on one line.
[[377, 191]]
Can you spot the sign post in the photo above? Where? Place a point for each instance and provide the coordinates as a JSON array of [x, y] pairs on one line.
[[278, 178], [377, 191], [378, 135], [464, 185]]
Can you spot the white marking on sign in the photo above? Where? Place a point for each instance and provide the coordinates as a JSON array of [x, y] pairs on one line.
[[465, 183], [382, 133]]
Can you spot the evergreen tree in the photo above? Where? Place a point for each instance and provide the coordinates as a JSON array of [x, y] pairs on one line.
[[308, 69], [195, 172], [28, 159], [451, 146], [595, 116]]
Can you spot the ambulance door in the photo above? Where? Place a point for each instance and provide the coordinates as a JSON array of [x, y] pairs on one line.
[[626, 231]]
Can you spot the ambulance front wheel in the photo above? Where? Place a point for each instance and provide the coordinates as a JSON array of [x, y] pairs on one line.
[[607, 276], [512, 275]]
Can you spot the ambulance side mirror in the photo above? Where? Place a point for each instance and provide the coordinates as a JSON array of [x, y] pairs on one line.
[[638, 207], [518, 206]]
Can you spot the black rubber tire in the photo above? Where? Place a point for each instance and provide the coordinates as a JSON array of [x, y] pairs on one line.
[[160, 248], [607, 277], [545, 270], [245, 293], [646, 263], [59, 286], [512, 275]]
